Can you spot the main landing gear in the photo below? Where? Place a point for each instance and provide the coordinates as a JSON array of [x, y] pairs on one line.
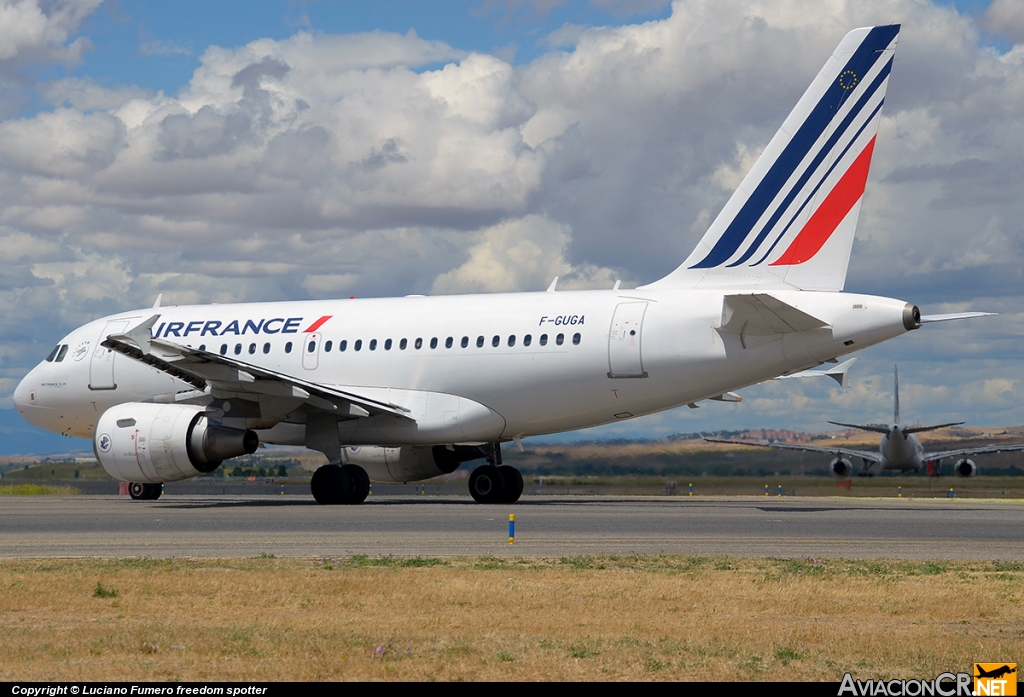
[[145, 492], [494, 482], [340, 484]]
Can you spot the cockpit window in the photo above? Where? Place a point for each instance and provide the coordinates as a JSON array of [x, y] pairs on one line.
[[53, 354], [63, 352]]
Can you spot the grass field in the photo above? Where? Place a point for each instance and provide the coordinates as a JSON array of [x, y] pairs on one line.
[[578, 618]]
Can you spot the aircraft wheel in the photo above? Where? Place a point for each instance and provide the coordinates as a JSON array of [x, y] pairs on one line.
[[330, 485], [141, 491], [513, 484], [486, 484], [359, 482]]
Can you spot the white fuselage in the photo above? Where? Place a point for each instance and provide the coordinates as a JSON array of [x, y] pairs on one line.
[[638, 352]]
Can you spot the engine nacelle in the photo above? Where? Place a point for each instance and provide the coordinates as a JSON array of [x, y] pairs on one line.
[[841, 467], [965, 468], [410, 463], [141, 442]]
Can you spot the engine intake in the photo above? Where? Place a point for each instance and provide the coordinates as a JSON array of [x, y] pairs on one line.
[[141, 442], [965, 468], [841, 467]]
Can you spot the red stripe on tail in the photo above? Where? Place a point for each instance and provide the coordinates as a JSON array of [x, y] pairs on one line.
[[830, 213]]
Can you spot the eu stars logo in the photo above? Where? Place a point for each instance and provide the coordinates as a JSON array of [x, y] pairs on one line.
[[848, 80]]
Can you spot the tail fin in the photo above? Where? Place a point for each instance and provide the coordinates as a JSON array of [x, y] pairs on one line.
[[895, 394], [791, 222]]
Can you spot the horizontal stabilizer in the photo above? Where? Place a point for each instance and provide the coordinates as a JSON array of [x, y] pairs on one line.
[[873, 429], [922, 429], [760, 313], [928, 319]]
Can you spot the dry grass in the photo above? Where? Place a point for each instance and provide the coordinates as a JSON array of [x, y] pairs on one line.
[[585, 618], [37, 490]]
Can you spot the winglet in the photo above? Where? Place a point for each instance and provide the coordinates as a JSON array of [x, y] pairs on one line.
[[551, 288], [837, 373]]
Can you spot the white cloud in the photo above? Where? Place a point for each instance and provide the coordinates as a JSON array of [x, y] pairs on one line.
[[526, 253], [34, 30]]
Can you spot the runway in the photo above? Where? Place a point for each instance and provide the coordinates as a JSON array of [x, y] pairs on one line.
[[290, 526]]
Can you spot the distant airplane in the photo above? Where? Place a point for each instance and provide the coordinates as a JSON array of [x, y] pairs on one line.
[[405, 389], [900, 450]]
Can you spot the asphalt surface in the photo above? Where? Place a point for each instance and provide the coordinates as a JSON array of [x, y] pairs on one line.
[[293, 526]]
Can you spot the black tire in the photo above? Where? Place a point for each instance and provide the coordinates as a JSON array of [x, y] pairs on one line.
[[330, 485], [141, 491], [513, 484], [359, 484], [487, 485]]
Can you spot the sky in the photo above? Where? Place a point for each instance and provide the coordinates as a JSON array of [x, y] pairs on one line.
[[267, 150]]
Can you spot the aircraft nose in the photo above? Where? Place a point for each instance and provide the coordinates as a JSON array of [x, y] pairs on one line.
[[22, 396]]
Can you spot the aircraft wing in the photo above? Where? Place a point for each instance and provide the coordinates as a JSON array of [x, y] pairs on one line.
[[848, 452], [987, 449], [210, 371]]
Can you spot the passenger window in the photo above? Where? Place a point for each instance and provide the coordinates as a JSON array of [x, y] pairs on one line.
[[266, 347], [358, 345], [311, 346], [288, 347], [511, 340], [495, 340], [527, 340], [448, 342], [328, 345], [53, 354], [465, 341], [63, 352], [543, 339], [387, 345], [238, 349], [202, 347], [479, 342], [419, 343], [576, 339], [223, 349], [560, 339], [402, 344], [343, 345], [433, 343], [252, 349], [373, 344]]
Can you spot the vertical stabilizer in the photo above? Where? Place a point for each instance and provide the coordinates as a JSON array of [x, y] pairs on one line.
[[791, 222], [896, 394]]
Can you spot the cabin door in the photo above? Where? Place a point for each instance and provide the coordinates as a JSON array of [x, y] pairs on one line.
[[624, 355]]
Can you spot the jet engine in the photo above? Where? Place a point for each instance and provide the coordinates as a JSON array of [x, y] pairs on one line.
[[841, 468], [410, 463], [141, 442], [965, 468]]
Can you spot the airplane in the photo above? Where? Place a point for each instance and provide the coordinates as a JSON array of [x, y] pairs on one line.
[[899, 450], [405, 389], [995, 673]]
